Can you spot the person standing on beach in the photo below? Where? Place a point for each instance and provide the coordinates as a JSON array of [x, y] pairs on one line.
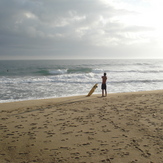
[[103, 85]]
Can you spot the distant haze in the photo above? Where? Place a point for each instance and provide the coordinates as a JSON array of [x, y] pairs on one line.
[[73, 29]]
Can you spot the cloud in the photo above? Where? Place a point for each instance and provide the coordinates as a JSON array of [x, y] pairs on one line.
[[62, 28]]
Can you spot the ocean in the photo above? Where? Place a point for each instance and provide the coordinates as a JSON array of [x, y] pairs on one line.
[[41, 79]]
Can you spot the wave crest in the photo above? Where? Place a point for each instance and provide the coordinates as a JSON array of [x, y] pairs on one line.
[[76, 70]]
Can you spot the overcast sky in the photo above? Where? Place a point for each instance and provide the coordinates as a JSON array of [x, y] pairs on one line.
[[53, 29]]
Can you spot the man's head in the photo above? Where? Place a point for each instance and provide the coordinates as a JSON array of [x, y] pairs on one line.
[[104, 73]]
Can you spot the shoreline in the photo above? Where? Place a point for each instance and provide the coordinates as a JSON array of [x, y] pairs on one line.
[[53, 98], [61, 99], [122, 127]]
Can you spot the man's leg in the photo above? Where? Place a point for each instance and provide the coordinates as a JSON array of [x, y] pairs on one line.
[[102, 92]]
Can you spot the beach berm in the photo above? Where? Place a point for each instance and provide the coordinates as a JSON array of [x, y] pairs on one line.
[[119, 128]]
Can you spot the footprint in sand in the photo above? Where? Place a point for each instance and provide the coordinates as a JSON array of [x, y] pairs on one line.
[[32, 124], [19, 126]]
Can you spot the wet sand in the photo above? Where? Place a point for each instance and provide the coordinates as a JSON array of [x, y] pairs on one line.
[[119, 128]]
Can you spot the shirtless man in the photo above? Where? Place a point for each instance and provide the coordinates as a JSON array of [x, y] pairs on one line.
[[103, 85]]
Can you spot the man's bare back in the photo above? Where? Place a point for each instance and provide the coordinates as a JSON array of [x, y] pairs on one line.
[[104, 78]]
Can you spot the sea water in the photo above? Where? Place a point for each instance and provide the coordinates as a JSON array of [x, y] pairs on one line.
[[40, 79]]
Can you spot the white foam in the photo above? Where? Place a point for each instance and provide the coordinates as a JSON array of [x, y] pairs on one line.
[[58, 71]]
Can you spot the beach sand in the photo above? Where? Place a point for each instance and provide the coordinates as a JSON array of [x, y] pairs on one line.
[[119, 128]]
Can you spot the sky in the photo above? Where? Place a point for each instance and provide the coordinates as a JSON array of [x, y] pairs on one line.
[[81, 29]]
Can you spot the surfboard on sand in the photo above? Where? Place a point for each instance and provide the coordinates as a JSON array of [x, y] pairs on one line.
[[92, 90]]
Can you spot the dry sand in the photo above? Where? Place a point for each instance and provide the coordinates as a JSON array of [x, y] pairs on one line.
[[120, 128]]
